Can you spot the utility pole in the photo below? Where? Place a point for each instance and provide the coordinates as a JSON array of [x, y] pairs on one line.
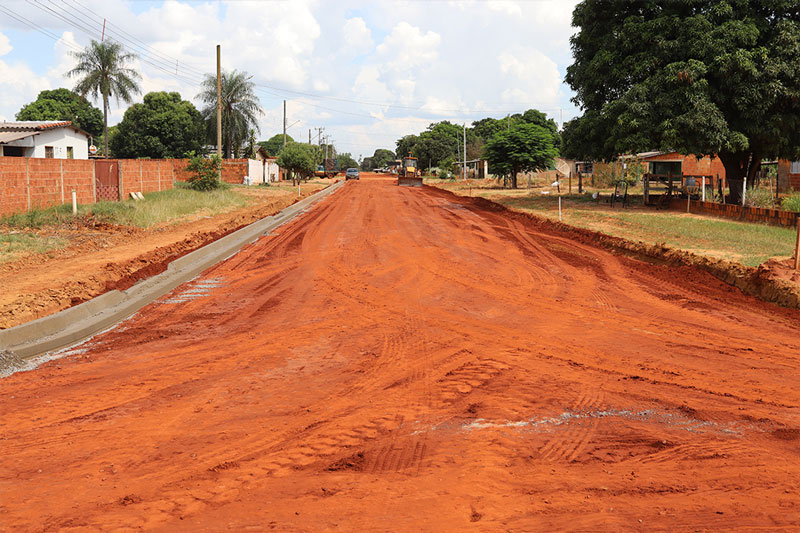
[[509, 122], [465, 151], [219, 105], [309, 135], [284, 123]]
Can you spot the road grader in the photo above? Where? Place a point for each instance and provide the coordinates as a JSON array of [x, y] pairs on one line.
[[409, 175]]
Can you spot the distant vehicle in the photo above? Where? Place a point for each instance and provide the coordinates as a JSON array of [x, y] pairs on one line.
[[351, 174], [409, 175], [327, 169]]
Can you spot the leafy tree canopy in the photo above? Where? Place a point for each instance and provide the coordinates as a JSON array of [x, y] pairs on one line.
[[63, 104], [704, 77], [366, 164], [346, 161], [526, 147], [382, 157], [162, 126], [274, 145], [299, 158]]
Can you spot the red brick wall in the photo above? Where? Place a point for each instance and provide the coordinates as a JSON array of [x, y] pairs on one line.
[[692, 166], [233, 170], [28, 183], [13, 186], [774, 217], [44, 185], [78, 176]]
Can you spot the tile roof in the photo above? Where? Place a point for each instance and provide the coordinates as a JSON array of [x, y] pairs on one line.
[[33, 125]]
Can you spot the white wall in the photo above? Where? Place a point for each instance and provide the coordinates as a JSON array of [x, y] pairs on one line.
[[59, 139], [255, 169]]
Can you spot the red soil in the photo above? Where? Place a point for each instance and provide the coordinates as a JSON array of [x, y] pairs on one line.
[[404, 359]]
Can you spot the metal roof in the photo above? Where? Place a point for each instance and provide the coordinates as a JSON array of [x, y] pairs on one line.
[[10, 136]]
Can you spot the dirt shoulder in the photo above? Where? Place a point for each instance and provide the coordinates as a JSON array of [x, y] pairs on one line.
[[100, 258]]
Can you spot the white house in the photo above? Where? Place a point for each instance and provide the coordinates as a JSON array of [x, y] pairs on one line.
[[51, 139]]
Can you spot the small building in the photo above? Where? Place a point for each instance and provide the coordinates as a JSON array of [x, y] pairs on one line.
[[264, 169], [48, 139]]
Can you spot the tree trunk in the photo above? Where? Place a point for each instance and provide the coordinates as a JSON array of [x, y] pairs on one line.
[[514, 178], [105, 124], [739, 165]]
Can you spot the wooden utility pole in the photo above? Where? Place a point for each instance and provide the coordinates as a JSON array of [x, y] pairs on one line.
[[219, 104], [309, 135], [284, 123], [797, 247]]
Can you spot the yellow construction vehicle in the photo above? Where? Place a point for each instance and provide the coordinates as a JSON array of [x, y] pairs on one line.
[[408, 175]]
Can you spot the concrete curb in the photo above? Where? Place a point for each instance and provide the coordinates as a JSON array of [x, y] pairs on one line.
[[72, 325]]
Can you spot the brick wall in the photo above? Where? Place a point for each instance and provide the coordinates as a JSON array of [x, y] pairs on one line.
[[233, 170], [13, 186], [774, 217], [29, 183]]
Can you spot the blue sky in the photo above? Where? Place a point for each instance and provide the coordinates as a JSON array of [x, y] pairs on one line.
[[368, 72]]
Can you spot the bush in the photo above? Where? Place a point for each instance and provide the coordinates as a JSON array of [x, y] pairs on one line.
[[791, 202], [759, 198], [205, 172]]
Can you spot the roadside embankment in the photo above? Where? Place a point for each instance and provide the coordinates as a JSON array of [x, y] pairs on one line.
[[771, 282], [104, 257]]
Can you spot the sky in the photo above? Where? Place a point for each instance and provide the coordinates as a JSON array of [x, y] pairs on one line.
[[367, 72]]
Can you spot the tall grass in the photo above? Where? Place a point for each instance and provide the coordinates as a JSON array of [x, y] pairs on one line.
[[156, 208]]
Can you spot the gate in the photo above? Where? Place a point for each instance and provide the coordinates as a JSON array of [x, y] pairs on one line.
[[106, 180]]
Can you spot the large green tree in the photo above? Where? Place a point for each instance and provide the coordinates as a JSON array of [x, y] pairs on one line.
[[345, 161], [274, 145], [299, 159], [704, 77], [240, 109], [162, 126], [102, 71], [526, 147], [63, 104]]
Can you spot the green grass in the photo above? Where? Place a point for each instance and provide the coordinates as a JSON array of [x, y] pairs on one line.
[[156, 208], [13, 244], [748, 243]]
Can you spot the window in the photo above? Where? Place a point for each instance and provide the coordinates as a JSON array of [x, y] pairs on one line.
[[48, 152], [70, 153], [795, 167], [665, 167]]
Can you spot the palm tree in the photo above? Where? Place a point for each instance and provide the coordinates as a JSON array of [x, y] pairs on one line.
[[240, 107], [102, 70]]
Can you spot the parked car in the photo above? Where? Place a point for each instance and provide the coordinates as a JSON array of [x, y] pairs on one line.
[[351, 174]]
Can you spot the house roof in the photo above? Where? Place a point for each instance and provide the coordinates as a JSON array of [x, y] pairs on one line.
[[11, 136], [38, 125]]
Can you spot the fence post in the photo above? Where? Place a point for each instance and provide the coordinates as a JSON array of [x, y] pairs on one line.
[[28, 181], [704, 188], [744, 189], [61, 170]]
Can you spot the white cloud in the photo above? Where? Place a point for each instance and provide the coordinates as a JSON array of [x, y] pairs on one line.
[[407, 47], [531, 76], [505, 6], [5, 45], [357, 36]]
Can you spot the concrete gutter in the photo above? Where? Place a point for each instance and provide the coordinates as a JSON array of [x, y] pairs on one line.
[[70, 326]]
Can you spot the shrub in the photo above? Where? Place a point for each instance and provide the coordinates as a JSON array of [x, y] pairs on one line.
[[791, 202], [205, 172], [759, 198]]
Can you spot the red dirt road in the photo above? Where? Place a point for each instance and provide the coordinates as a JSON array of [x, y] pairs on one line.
[[405, 360]]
